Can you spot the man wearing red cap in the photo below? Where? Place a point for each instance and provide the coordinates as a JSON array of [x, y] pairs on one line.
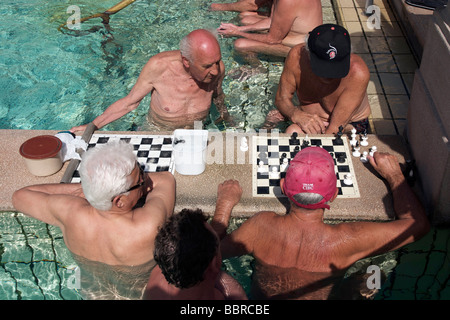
[[297, 255], [330, 83]]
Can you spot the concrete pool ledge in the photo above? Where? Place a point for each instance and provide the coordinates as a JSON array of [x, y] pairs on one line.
[[199, 191]]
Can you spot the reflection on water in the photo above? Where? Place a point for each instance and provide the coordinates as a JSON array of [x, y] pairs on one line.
[[65, 80], [36, 264], [420, 270]]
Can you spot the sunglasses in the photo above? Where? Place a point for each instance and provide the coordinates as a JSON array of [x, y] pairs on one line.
[[140, 184], [141, 177]]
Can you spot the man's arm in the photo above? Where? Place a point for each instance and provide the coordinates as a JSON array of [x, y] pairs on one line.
[[160, 200], [281, 20], [142, 87], [352, 97], [287, 87], [49, 203], [373, 238], [219, 98], [228, 195]]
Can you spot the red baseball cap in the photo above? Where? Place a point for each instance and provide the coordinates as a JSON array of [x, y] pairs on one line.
[[311, 171]]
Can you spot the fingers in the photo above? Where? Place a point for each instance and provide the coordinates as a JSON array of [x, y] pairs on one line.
[[314, 127], [78, 128], [230, 183], [385, 164]]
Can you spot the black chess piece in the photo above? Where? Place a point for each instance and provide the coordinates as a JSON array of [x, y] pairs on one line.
[[305, 143], [339, 134], [283, 155], [294, 139]]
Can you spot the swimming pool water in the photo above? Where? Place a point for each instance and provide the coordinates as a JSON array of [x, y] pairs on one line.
[[35, 264], [53, 80]]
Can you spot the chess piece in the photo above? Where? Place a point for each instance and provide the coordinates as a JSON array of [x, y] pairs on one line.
[[364, 157], [274, 174], [364, 141], [305, 141], [353, 141], [284, 165], [338, 139], [372, 151], [261, 167], [294, 140], [356, 152], [244, 144], [348, 179], [341, 158]]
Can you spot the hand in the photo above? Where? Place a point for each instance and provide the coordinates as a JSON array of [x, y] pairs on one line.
[[387, 166], [229, 192], [228, 29], [78, 128], [227, 118], [148, 183], [309, 123]]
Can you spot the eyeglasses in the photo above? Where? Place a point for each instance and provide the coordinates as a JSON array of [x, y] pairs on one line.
[[141, 177], [140, 184]]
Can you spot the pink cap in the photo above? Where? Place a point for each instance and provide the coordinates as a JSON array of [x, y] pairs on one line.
[[311, 171]]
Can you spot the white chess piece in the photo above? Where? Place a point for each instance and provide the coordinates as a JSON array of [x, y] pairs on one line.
[[284, 165], [364, 157], [244, 144], [274, 174], [348, 179], [373, 150], [306, 139], [364, 141], [261, 167], [353, 141], [356, 152]]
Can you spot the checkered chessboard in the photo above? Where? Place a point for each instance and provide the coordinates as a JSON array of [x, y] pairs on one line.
[[154, 152], [270, 150]]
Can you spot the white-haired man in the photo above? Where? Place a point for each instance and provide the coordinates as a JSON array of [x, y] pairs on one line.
[[182, 84], [98, 218]]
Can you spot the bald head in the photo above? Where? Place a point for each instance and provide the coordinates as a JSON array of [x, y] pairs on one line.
[[199, 41]]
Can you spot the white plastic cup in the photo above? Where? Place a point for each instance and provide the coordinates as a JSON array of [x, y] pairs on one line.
[[190, 151]]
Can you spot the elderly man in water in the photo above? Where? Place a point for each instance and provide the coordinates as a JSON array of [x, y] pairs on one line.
[[109, 235], [182, 84]]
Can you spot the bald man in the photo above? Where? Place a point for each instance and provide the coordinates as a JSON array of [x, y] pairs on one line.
[[182, 84]]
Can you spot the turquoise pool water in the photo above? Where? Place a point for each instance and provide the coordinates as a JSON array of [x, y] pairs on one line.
[[52, 80], [35, 264]]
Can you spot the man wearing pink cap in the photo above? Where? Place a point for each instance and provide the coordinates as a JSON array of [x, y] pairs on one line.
[[297, 255]]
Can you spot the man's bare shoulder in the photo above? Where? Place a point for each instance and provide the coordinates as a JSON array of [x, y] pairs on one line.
[[263, 217], [358, 68], [293, 57], [161, 61]]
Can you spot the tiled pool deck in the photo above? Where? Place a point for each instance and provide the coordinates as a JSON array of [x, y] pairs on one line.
[[391, 62], [419, 271]]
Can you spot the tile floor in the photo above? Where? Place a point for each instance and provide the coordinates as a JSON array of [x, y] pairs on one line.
[[390, 60]]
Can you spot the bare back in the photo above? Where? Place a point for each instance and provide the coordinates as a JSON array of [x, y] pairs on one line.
[[307, 14], [293, 261], [117, 240]]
